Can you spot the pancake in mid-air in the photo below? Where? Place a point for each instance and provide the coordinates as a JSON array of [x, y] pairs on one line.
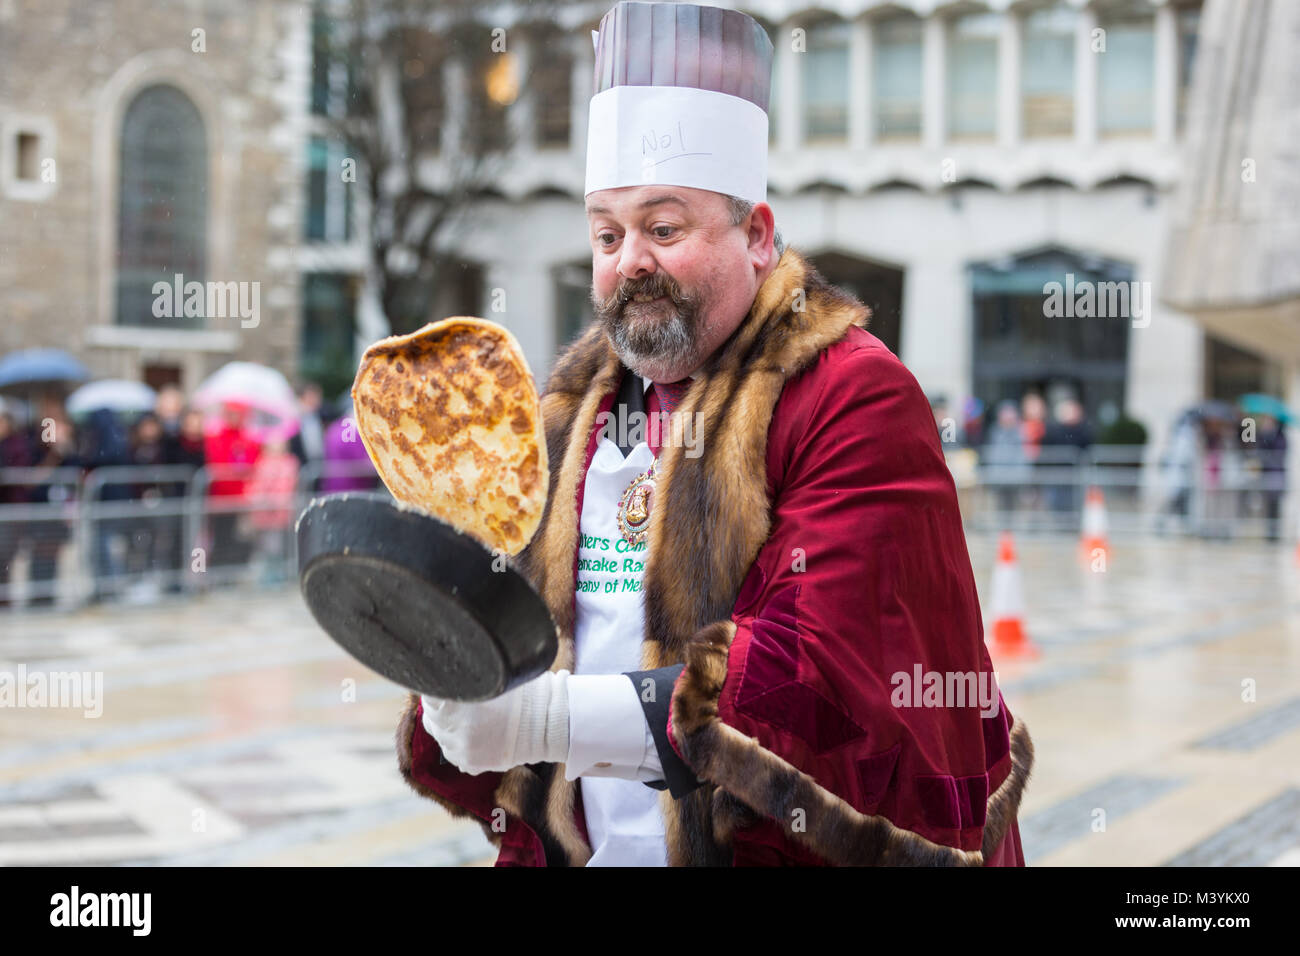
[[452, 420]]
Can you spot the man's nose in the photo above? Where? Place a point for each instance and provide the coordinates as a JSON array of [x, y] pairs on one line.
[[636, 259]]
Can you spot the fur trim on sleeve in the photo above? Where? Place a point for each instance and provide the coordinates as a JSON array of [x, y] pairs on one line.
[[406, 728], [834, 830]]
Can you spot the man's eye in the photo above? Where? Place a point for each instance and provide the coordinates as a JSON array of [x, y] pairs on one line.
[[603, 236], [663, 232]]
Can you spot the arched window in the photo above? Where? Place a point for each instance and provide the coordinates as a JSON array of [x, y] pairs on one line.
[[162, 214]]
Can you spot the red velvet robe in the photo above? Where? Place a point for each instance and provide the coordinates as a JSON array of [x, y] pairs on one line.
[[863, 576]]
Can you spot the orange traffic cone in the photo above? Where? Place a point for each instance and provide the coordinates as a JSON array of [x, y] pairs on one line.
[[1008, 605], [1093, 538]]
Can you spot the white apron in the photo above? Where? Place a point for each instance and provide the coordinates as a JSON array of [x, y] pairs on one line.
[[623, 816]]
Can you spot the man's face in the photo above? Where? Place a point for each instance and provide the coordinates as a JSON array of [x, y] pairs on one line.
[[672, 278]]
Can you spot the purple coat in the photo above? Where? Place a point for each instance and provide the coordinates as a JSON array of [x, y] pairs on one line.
[[343, 444]]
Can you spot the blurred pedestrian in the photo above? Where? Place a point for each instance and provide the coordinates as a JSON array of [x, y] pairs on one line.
[[1004, 451], [973, 421], [309, 444], [231, 451], [1033, 413], [950, 433], [1178, 466], [54, 448], [105, 445], [272, 496], [1221, 478], [1070, 429], [1271, 447], [186, 447], [1033, 426], [169, 407], [152, 532], [14, 453]]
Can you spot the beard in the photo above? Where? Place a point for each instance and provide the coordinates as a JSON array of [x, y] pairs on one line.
[[660, 334]]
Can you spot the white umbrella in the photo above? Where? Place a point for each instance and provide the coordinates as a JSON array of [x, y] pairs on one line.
[[250, 384], [115, 394], [255, 386]]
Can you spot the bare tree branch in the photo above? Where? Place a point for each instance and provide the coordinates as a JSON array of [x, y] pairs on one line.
[[403, 123]]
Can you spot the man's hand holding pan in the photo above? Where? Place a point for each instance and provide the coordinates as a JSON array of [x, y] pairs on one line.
[[529, 724]]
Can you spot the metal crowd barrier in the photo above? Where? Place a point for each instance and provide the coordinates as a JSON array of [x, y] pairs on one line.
[[140, 533], [1229, 494], [39, 507]]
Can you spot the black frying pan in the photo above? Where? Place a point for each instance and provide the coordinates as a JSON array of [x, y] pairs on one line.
[[417, 601]]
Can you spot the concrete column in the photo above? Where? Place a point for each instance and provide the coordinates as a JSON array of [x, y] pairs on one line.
[[934, 100], [1009, 111], [1292, 388], [335, 191], [529, 298], [1166, 78], [521, 116], [1165, 367], [789, 135], [456, 87], [861, 75], [1085, 80], [1291, 395], [581, 90], [935, 302]]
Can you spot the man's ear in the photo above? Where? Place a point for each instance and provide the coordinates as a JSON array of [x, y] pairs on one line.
[[760, 233]]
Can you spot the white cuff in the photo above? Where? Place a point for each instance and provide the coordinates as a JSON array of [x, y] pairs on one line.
[[543, 732], [651, 768], [608, 734]]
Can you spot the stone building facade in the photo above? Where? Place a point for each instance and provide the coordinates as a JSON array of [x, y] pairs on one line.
[[141, 139], [945, 161]]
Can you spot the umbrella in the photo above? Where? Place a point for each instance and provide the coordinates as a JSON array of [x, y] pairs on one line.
[[1258, 404], [33, 368], [257, 387], [115, 394]]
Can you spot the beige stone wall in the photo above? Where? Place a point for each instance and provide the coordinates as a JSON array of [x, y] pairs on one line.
[[68, 70]]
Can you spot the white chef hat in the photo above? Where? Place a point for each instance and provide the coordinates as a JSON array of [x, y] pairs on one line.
[[681, 97]]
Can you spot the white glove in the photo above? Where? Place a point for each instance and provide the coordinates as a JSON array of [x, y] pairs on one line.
[[529, 724]]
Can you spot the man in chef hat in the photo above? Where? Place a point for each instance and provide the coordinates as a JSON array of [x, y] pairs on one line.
[[733, 624]]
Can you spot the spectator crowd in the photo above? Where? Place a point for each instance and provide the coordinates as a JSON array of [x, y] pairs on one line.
[[1221, 464], [141, 534]]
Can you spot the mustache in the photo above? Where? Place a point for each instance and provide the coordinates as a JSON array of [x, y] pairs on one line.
[[656, 285]]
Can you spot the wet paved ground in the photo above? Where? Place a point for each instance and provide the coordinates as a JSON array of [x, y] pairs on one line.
[[234, 732]]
